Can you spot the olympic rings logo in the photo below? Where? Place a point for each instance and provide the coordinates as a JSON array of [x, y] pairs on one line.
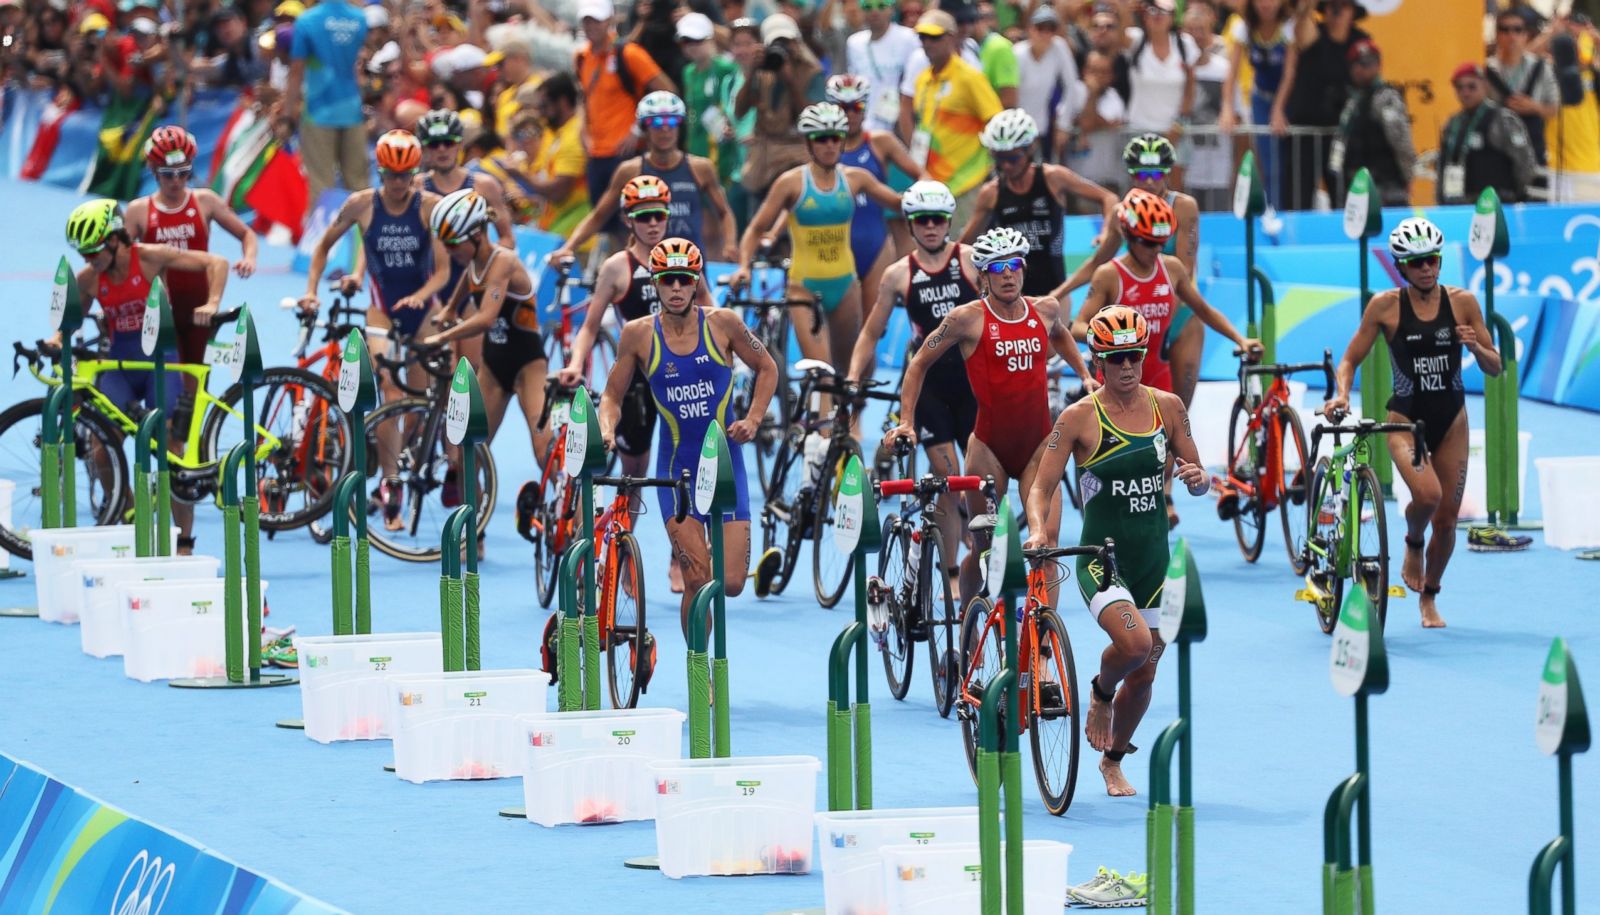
[[141, 898]]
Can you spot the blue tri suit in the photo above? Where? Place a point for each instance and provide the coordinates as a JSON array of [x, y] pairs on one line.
[[690, 391]]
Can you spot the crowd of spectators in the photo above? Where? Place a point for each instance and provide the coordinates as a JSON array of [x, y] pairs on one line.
[[1299, 81]]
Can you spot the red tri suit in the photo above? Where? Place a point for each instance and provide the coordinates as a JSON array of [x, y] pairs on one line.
[[1007, 370], [184, 228], [1151, 296]]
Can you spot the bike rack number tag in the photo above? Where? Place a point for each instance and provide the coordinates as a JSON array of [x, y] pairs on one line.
[[713, 478], [1488, 236], [1562, 725], [464, 417], [1005, 571], [585, 451], [1357, 663], [1361, 219], [357, 390], [66, 308], [1174, 593], [1249, 197], [244, 355], [855, 519], [156, 332]]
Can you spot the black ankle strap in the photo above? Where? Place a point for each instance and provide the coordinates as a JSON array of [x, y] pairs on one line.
[[1116, 755], [1430, 589], [1094, 686], [1416, 544]]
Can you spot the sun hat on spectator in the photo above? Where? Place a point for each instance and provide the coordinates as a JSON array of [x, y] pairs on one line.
[[1365, 50], [377, 17], [1044, 15], [143, 26], [1166, 6], [694, 27], [965, 13], [459, 59], [289, 9], [94, 22], [600, 10], [778, 26], [1470, 68], [383, 57], [1322, 7], [936, 24]]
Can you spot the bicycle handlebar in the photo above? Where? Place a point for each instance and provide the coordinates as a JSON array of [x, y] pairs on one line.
[[554, 387], [680, 487], [1419, 448], [1286, 369], [929, 485], [1106, 553]]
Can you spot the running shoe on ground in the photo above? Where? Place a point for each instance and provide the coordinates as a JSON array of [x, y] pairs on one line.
[[1111, 890], [277, 647], [1493, 540], [767, 569]]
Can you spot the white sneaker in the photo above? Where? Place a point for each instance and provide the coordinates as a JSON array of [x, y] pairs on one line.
[[1112, 891]]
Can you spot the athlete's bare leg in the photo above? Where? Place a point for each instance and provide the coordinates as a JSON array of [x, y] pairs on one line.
[[530, 394], [1133, 699], [692, 549], [947, 510], [1449, 465], [1184, 358], [1131, 647], [981, 462], [1426, 501]]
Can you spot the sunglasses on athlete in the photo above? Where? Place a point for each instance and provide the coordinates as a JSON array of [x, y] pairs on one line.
[[183, 173], [387, 175], [1421, 260], [435, 142], [1122, 356], [662, 121], [1149, 174], [1015, 155], [931, 219], [677, 279], [649, 216], [1010, 263]]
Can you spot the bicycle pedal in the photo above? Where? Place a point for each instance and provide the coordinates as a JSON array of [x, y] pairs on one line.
[[1397, 591]]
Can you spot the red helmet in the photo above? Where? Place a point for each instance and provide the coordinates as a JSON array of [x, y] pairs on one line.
[[1145, 215], [170, 147]]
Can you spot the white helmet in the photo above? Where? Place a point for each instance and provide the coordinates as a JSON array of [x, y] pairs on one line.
[[846, 88], [997, 244], [1011, 129], [659, 103], [927, 197], [459, 215], [1415, 237], [822, 118]]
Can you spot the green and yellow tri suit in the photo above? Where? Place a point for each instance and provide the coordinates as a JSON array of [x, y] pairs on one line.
[[1122, 487]]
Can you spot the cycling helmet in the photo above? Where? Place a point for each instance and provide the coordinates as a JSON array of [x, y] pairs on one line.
[[440, 125], [1415, 237], [822, 119], [675, 255], [927, 197], [459, 216], [644, 194], [399, 151], [169, 147], [1118, 327], [848, 89], [90, 224], [1148, 151], [1145, 215], [997, 244], [1009, 130], [660, 103]]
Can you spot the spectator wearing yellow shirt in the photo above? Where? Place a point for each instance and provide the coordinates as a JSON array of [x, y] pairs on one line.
[[1573, 135], [951, 104], [557, 173], [516, 74]]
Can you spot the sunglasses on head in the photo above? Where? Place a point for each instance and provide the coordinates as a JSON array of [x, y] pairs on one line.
[[1122, 356], [663, 121], [1421, 260], [1149, 174], [1010, 263], [931, 219], [650, 216], [173, 172], [677, 279]]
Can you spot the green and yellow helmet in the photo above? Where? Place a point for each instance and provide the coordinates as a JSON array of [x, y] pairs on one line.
[[92, 223]]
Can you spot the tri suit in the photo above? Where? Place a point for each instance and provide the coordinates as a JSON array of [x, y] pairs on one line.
[[1037, 215], [638, 420], [947, 411], [183, 227], [122, 304], [399, 252], [1122, 485], [684, 219], [690, 390], [1426, 357], [1153, 297], [868, 231], [1007, 371], [819, 229], [513, 340]]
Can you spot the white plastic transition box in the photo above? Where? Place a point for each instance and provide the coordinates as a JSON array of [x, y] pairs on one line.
[[54, 552], [463, 724], [946, 879], [594, 766], [344, 680], [101, 626], [175, 628], [734, 816], [1569, 490], [852, 843]]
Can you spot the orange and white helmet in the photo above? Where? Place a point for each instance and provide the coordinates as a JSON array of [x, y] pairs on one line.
[[399, 151], [1118, 327], [676, 255], [1145, 215], [644, 194]]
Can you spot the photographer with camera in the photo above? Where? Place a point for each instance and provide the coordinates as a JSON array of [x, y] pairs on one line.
[[785, 79]]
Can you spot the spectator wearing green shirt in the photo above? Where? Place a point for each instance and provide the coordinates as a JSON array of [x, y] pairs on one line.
[[709, 84], [997, 59]]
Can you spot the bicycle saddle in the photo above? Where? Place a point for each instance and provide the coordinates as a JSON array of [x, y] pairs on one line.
[[982, 524], [807, 365]]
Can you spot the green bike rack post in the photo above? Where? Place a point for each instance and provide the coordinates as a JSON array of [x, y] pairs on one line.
[[1561, 730], [243, 621], [714, 495], [465, 425], [991, 752], [1249, 202], [1183, 622], [856, 533], [1006, 577], [158, 337], [1269, 315], [144, 472], [1363, 220], [1358, 667], [699, 663], [578, 634], [1488, 240]]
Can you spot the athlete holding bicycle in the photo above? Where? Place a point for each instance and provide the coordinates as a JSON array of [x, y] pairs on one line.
[[1427, 325], [1004, 339], [930, 282], [1125, 440], [117, 274], [686, 352]]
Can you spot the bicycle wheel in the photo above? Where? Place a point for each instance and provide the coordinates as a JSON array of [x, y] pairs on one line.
[[416, 457], [552, 520], [783, 516], [297, 478], [627, 651], [773, 329], [1325, 531], [939, 619], [1370, 558], [100, 472], [829, 567], [1053, 720], [1249, 523], [900, 598], [1292, 495], [982, 659]]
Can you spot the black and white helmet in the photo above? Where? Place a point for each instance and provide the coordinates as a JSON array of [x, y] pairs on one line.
[[822, 119], [1415, 237], [1009, 130], [459, 215], [997, 244], [927, 197], [440, 124]]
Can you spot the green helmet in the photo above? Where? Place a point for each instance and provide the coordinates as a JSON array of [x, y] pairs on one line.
[[1148, 151], [92, 223]]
